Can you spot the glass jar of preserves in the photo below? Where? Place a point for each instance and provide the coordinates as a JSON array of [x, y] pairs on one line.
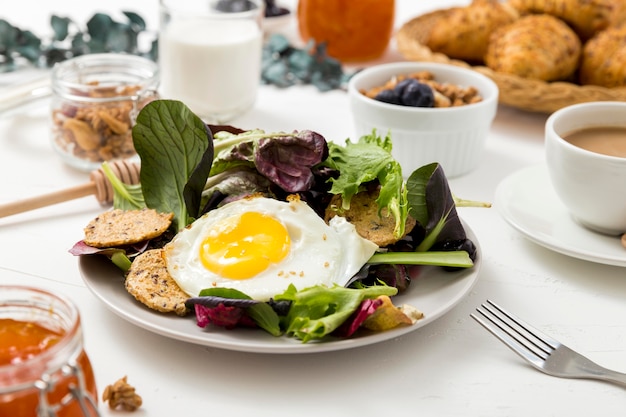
[[96, 98], [44, 370], [353, 30]]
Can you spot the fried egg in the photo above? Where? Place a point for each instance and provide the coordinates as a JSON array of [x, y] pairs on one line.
[[261, 245]]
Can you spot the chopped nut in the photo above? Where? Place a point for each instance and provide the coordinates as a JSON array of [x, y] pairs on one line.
[[114, 124], [446, 94], [121, 395], [84, 136], [95, 131]]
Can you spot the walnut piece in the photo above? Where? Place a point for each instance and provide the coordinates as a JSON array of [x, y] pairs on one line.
[[121, 395], [95, 130]]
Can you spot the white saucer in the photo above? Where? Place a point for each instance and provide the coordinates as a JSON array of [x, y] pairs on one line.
[[527, 202]]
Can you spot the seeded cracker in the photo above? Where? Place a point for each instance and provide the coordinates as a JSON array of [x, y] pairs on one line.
[[363, 214], [150, 283], [125, 227]]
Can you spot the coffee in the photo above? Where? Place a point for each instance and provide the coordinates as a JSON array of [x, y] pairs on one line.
[[605, 140]]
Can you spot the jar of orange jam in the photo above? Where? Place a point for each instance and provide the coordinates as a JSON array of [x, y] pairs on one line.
[[44, 370], [353, 30]]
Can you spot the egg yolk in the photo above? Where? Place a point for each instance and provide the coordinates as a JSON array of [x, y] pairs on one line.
[[240, 247]]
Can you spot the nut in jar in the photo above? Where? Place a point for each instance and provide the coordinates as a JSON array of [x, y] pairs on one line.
[[96, 99]]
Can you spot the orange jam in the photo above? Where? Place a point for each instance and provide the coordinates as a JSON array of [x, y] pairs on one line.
[[354, 30], [28, 351], [20, 341]]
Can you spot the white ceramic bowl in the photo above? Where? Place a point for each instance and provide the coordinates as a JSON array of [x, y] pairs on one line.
[[452, 136], [590, 184]]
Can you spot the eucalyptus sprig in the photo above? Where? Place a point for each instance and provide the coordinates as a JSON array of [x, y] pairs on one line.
[[285, 65], [102, 33]]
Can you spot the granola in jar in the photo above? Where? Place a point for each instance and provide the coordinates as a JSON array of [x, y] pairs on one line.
[[96, 99]]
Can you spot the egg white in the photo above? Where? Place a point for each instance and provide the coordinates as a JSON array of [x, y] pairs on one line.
[[320, 254]]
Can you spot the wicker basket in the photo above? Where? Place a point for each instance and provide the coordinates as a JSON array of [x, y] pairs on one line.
[[525, 94]]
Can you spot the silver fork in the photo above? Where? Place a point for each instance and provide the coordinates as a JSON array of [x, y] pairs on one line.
[[541, 351]]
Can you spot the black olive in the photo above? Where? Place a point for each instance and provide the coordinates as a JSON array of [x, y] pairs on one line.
[[401, 86], [417, 94], [388, 96]]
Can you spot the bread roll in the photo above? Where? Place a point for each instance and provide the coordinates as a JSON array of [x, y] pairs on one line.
[[603, 60], [540, 47], [586, 17], [463, 32]]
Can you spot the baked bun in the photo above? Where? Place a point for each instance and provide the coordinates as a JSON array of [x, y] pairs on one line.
[[540, 47]]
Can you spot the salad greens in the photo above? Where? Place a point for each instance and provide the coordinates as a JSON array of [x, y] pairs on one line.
[[312, 313], [367, 160], [432, 205], [125, 196], [187, 169], [284, 159], [317, 311], [176, 151]]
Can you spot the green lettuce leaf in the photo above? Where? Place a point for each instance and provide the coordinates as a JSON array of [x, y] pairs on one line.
[[364, 161], [261, 313], [317, 311], [125, 196]]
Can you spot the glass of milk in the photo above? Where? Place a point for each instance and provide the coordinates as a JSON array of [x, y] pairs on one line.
[[210, 55]]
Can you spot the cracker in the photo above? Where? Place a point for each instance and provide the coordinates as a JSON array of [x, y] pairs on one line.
[[150, 283], [363, 214], [125, 227]]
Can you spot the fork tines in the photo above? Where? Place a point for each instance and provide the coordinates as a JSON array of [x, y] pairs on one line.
[[522, 338]]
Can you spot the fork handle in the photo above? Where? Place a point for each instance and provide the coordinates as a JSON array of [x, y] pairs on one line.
[[613, 376]]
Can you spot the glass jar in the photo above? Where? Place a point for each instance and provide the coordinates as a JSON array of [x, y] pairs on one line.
[[96, 98], [44, 370], [353, 30]]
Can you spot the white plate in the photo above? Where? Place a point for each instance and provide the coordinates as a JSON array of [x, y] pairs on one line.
[[435, 292], [526, 200]]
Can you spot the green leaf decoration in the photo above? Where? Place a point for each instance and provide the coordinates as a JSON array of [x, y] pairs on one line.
[[99, 26], [285, 65], [136, 21], [101, 34], [8, 35], [60, 26]]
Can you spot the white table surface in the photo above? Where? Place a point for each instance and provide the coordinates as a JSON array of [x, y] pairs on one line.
[[451, 367]]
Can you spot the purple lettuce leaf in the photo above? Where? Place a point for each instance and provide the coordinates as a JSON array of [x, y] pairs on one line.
[[352, 324]]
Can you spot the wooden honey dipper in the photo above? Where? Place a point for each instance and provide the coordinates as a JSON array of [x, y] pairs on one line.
[[99, 185]]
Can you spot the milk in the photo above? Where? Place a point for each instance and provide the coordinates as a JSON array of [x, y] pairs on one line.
[[213, 66]]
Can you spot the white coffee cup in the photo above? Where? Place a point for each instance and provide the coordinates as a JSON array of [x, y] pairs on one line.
[[209, 58], [591, 185]]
